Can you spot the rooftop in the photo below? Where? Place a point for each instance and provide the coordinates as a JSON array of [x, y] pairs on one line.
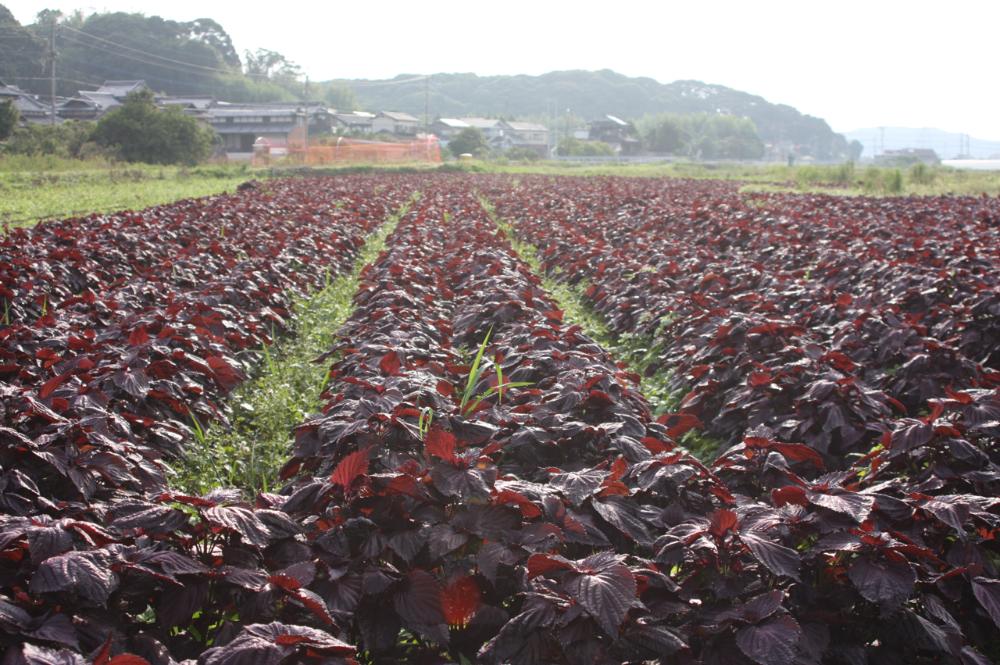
[[526, 126], [398, 116]]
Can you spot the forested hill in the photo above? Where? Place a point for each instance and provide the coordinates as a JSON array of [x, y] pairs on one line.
[[590, 95], [177, 58], [197, 57]]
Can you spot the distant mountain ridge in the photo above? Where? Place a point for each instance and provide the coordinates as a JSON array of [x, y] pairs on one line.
[[591, 95], [948, 145]]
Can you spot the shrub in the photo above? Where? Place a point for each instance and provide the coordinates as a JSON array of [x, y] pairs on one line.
[[65, 140], [522, 154], [894, 181], [468, 141], [921, 174], [140, 132]]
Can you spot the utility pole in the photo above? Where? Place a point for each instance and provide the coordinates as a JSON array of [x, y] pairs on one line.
[[52, 68], [427, 104]]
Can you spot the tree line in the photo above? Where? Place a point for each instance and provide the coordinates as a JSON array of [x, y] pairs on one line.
[[173, 57]]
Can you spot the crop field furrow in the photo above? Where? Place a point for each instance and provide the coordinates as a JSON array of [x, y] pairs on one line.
[[111, 381], [248, 453], [638, 352], [449, 474], [481, 480]]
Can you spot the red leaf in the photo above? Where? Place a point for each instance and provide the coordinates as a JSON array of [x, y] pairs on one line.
[[290, 640], [445, 388], [460, 600], [798, 452], [350, 468], [49, 386], [528, 509], [758, 379], [679, 424], [227, 376], [285, 582], [128, 659], [540, 564], [791, 494], [138, 336], [844, 300], [723, 521], [440, 443], [390, 364], [618, 469]]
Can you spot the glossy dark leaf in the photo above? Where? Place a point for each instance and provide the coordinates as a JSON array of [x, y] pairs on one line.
[[772, 642], [882, 581], [418, 599], [605, 588], [241, 521], [987, 592], [780, 560], [88, 575]]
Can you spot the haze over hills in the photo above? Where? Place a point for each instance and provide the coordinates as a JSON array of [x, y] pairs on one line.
[[198, 58], [947, 145], [590, 95]]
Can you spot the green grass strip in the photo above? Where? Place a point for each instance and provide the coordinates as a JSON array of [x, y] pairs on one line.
[[267, 408], [27, 197], [638, 352]]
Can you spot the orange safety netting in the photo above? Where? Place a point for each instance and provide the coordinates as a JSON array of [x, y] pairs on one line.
[[345, 150]]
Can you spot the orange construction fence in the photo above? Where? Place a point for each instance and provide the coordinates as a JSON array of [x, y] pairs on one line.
[[344, 150]]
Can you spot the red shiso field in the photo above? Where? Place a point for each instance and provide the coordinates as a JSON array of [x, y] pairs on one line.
[[844, 353]]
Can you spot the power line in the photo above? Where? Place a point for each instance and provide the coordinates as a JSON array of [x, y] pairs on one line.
[[369, 84], [148, 54], [144, 61], [48, 78]]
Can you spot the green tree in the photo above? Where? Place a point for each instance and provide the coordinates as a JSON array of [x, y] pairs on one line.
[[23, 54], [854, 150], [138, 131], [470, 140], [701, 136], [337, 95], [8, 119]]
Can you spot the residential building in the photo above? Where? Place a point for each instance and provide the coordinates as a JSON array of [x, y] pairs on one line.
[[354, 123], [30, 108], [618, 133], [530, 135], [493, 129], [446, 128], [392, 122], [112, 94], [77, 108], [240, 126]]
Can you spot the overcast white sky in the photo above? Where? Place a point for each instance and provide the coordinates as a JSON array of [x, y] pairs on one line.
[[914, 63]]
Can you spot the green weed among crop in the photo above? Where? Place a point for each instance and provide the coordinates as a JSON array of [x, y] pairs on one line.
[[470, 401], [267, 408]]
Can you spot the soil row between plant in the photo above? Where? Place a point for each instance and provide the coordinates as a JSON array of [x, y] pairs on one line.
[[248, 452], [636, 352]]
